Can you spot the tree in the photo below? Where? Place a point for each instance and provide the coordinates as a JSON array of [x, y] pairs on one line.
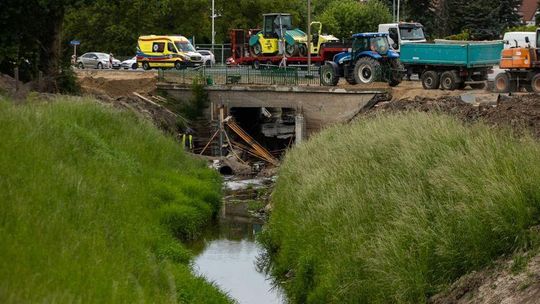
[[343, 18], [34, 44]]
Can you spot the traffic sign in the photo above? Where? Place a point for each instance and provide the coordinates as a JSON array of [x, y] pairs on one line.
[[74, 42]]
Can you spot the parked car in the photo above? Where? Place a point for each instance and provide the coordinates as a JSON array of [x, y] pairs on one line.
[[97, 60], [207, 57], [130, 63]]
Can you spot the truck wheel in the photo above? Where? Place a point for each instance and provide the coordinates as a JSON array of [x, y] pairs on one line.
[[449, 81], [503, 84], [178, 65], [535, 83], [291, 50], [367, 70], [146, 65], [396, 72], [328, 76], [256, 50], [430, 80]]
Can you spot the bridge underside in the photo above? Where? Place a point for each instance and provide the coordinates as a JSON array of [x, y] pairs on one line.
[[319, 106]]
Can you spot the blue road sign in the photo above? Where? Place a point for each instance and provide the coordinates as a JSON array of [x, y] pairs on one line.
[[74, 42]]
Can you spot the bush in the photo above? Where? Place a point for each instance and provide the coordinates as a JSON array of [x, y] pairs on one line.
[[393, 209], [82, 192]]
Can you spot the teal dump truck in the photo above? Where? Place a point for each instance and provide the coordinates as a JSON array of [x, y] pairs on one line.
[[451, 64]]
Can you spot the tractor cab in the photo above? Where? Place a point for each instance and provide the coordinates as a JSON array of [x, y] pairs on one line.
[[372, 44]]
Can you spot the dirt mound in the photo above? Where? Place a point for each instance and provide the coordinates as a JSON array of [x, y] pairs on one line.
[[496, 285], [10, 87], [132, 91], [116, 83], [519, 112]]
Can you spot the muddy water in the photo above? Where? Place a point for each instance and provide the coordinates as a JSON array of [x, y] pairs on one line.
[[227, 254]]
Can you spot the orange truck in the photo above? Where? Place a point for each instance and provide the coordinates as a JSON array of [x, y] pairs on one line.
[[522, 68]]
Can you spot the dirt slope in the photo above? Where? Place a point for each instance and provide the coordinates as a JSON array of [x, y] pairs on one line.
[[519, 112], [495, 286], [116, 83]]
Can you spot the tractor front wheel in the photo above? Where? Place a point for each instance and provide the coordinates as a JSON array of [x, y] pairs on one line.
[[396, 72], [328, 75], [367, 70]]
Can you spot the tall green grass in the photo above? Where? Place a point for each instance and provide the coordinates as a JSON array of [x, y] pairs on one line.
[[393, 209], [91, 200]]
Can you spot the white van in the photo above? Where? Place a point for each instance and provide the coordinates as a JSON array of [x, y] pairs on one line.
[[517, 39], [403, 32]]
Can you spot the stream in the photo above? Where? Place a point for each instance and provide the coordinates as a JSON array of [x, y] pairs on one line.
[[227, 252]]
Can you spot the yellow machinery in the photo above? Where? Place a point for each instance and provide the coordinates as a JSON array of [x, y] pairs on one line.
[[279, 38]]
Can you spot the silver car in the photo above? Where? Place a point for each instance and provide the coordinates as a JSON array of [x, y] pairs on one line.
[[97, 61], [207, 57]]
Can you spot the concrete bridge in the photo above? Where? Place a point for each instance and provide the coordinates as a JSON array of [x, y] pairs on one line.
[[315, 107]]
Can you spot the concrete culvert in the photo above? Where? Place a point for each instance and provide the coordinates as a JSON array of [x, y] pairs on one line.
[[226, 170]]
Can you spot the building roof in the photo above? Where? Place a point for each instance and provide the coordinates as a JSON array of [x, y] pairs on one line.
[[527, 9]]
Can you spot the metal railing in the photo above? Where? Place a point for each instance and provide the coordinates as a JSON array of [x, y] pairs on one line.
[[240, 75]]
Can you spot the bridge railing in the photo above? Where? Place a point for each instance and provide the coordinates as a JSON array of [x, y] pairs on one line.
[[224, 75]]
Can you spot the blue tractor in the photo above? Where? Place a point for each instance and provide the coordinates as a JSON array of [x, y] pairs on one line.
[[370, 59]]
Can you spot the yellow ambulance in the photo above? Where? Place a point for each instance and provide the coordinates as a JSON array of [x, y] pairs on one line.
[[161, 51]]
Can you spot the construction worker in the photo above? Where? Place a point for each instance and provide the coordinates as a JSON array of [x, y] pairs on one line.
[[187, 140]]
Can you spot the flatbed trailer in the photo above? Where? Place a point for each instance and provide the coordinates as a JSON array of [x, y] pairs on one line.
[[451, 65], [242, 56]]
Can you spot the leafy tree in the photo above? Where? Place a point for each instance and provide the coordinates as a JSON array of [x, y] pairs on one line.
[[342, 18], [31, 35]]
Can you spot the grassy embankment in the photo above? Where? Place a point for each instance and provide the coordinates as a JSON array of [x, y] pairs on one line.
[[91, 200], [393, 209]]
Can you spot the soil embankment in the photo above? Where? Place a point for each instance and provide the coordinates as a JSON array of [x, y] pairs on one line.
[[518, 112], [410, 202]]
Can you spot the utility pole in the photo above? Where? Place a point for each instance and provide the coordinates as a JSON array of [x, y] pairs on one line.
[[213, 21], [398, 1], [309, 36], [394, 10]]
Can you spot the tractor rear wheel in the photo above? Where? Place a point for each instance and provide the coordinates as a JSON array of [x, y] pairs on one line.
[[449, 81], [503, 84], [367, 70], [256, 49], [535, 83], [328, 75], [430, 80]]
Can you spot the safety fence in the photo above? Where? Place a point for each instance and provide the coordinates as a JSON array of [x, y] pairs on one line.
[[224, 75]]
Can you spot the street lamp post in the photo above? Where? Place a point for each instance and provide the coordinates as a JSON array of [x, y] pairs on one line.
[[309, 36], [213, 21]]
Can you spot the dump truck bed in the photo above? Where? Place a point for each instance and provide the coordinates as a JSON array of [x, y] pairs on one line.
[[464, 54]]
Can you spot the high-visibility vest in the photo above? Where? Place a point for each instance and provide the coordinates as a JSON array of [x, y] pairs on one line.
[[189, 143]]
